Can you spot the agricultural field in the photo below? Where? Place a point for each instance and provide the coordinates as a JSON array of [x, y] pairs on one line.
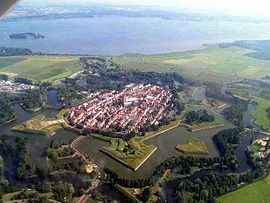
[[41, 68], [210, 64], [244, 90], [260, 114], [193, 146], [257, 192], [40, 124]]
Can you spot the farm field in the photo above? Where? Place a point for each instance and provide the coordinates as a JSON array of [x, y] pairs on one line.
[[41, 68], [260, 114], [244, 90], [210, 64], [40, 124], [193, 146], [257, 192]]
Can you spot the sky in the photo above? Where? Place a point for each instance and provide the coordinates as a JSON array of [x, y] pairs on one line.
[[239, 7]]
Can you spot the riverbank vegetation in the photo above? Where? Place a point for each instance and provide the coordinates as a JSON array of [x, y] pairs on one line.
[[260, 113], [201, 120], [6, 113], [56, 150], [40, 124], [60, 178], [193, 146], [227, 141]]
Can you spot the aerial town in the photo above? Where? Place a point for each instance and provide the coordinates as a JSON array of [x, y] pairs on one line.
[[13, 87], [133, 108], [263, 148]]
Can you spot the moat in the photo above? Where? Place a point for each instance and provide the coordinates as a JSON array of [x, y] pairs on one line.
[[165, 143]]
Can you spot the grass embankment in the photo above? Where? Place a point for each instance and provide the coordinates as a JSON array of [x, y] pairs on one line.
[[193, 146], [257, 192], [44, 68], [132, 153], [10, 196], [210, 64], [204, 126], [165, 128], [127, 193], [40, 124], [260, 114]]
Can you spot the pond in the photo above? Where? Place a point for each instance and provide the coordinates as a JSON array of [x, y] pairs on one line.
[[165, 143]]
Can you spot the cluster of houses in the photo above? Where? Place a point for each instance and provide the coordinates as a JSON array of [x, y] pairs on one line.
[[129, 110], [264, 151], [12, 87]]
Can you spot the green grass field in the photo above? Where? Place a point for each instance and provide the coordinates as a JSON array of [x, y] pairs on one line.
[[41, 68], [260, 114], [132, 153], [210, 64], [257, 192], [193, 146]]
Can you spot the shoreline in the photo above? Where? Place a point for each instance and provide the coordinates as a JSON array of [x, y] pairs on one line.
[[9, 121], [190, 127], [126, 164]]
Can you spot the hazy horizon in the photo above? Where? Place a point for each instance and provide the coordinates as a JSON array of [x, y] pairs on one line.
[[256, 8]]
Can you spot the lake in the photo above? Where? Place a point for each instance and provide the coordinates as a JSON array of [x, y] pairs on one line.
[[120, 35]]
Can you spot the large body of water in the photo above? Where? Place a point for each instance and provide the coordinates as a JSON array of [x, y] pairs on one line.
[[120, 35]]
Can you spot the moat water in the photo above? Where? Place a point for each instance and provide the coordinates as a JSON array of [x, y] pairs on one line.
[[165, 143]]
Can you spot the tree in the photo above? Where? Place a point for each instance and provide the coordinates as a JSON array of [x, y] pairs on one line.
[[63, 192], [145, 194]]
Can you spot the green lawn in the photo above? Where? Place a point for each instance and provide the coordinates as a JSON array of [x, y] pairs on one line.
[[257, 192], [260, 113], [193, 146], [210, 64], [132, 153], [42, 68]]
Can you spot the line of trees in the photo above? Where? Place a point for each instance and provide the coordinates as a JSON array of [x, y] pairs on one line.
[[208, 188], [185, 163], [199, 116]]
